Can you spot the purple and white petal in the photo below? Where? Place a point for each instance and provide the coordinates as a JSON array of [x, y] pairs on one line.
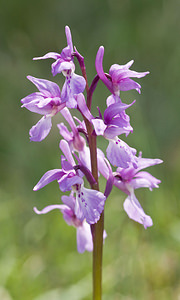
[[126, 73], [115, 67], [83, 107], [32, 103], [121, 74], [84, 156], [115, 109], [91, 203], [48, 177], [68, 180], [68, 136], [99, 126], [49, 208], [62, 66], [147, 162], [84, 238], [67, 115], [40, 131], [53, 55], [120, 154], [78, 84], [144, 179], [113, 130], [64, 146], [67, 95], [127, 84], [67, 212], [46, 87], [135, 211], [69, 38], [69, 201], [37, 97], [102, 166], [66, 166], [118, 72], [113, 99]]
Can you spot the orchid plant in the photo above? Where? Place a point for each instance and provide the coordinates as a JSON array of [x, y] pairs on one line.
[[84, 207]]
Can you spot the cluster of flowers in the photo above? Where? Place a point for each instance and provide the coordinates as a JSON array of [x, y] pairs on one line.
[[84, 206]]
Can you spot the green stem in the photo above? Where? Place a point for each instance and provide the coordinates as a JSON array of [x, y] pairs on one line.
[[98, 228]]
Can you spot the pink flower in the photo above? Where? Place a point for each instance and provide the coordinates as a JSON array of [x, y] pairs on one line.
[[46, 102]]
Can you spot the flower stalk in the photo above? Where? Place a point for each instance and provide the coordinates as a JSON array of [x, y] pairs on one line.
[[83, 208], [97, 229]]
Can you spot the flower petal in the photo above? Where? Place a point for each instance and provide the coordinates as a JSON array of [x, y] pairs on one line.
[[67, 115], [113, 130], [60, 65], [77, 83], [120, 154], [37, 103], [68, 180], [127, 84], [67, 212], [64, 146], [115, 109], [69, 201], [99, 126], [144, 179], [135, 211], [147, 162], [115, 67], [65, 132], [84, 238], [67, 95], [90, 203], [102, 166], [53, 55], [84, 156], [32, 97], [48, 177], [99, 69], [46, 87], [69, 38], [49, 208], [40, 131], [83, 107]]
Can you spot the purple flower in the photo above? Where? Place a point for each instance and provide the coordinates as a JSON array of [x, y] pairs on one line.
[[74, 84], [64, 61], [131, 178], [116, 121], [46, 102], [89, 203], [119, 74], [83, 230], [135, 177]]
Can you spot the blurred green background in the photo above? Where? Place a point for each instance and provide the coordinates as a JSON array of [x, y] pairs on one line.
[[38, 257]]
